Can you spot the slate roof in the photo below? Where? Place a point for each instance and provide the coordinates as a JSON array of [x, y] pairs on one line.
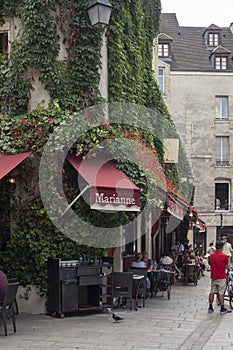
[[189, 51]]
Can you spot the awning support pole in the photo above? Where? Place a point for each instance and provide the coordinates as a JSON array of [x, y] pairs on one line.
[[79, 195]]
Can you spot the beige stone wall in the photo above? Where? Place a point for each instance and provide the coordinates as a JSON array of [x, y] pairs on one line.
[[190, 98]]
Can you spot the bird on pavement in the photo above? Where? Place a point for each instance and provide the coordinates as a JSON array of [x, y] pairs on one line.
[[117, 318]]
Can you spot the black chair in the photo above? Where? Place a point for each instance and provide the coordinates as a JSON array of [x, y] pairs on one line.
[[143, 292], [16, 308], [7, 307], [122, 286]]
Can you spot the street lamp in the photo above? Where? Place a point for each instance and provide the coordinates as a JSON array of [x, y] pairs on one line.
[[99, 12]]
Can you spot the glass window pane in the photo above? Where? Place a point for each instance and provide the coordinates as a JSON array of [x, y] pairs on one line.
[[221, 108], [165, 50], [224, 63], [217, 63], [224, 109], [161, 79], [225, 149], [160, 50], [218, 150], [222, 149], [215, 39]]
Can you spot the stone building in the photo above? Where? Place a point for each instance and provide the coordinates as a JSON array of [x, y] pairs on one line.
[[195, 74]]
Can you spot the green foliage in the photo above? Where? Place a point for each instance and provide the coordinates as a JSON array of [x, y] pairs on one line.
[[27, 252], [72, 81]]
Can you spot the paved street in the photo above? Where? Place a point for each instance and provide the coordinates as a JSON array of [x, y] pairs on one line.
[[181, 323]]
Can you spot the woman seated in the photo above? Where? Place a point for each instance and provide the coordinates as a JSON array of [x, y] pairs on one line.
[[138, 262]]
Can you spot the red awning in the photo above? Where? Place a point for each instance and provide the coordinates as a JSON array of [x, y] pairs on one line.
[[174, 208], [9, 161], [110, 188]]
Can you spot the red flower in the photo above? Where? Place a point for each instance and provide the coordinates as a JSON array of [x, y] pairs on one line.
[[16, 128], [50, 120], [16, 136], [23, 121]]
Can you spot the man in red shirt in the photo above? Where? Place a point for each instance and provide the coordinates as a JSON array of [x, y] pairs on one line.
[[218, 265]]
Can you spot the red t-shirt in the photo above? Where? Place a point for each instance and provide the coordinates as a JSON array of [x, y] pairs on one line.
[[218, 263]]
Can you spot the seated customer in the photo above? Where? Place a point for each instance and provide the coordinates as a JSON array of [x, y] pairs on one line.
[[3, 286], [148, 262], [138, 261]]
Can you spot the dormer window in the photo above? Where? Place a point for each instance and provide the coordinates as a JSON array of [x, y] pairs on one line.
[[212, 36], [163, 50], [219, 58], [213, 39], [220, 62], [164, 45]]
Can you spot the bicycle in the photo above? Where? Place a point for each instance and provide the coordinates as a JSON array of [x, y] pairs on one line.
[[228, 294]]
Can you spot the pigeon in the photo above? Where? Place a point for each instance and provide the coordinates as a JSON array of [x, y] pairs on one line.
[[117, 318]]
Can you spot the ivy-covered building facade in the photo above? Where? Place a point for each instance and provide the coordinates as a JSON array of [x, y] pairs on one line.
[[49, 86]]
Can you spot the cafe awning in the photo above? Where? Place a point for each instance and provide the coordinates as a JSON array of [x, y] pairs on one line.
[[110, 188], [9, 161], [174, 208]]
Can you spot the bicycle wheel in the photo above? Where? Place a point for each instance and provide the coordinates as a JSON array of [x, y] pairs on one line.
[[230, 294]]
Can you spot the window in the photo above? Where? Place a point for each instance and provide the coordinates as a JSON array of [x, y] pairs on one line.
[[3, 42], [222, 196], [163, 50], [213, 39], [162, 79], [222, 150], [220, 62], [221, 107]]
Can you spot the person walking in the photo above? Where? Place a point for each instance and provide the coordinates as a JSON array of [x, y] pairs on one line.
[[218, 265], [179, 248], [227, 249]]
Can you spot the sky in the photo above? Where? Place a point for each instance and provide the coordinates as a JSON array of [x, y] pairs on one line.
[[200, 13]]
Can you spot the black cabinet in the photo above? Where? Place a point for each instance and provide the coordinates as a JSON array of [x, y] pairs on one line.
[[72, 287]]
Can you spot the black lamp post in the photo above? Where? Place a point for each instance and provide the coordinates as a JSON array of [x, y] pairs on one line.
[[99, 12], [190, 178]]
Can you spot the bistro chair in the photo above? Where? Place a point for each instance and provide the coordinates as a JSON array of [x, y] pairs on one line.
[[122, 286], [16, 308], [7, 308], [143, 292]]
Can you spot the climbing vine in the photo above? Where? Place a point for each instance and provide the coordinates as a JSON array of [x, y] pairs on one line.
[[46, 26]]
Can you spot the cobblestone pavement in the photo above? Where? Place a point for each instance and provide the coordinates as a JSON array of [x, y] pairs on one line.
[[181, 323]]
